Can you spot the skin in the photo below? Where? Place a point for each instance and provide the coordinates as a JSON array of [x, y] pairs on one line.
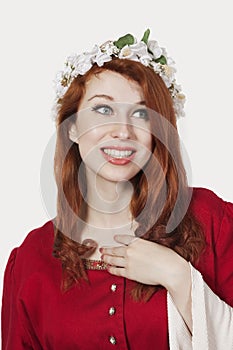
[[109, 192], [116, 122]]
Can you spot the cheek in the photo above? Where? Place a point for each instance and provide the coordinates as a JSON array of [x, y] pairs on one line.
[[145, 138], [89, 142], [89, 130]]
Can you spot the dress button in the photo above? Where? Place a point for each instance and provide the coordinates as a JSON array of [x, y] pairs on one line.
[[113, 287], [112, 340], [112, 311]]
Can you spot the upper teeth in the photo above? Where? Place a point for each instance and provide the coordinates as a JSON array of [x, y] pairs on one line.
[[116, 153]]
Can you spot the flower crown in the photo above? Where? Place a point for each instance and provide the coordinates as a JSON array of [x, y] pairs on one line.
[[146, 51]]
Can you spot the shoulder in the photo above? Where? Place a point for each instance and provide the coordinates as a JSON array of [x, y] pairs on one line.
[[206, 197], [214, 213], [31, 267], [206, 202], [215, 264], [39, 238], [34, 253]]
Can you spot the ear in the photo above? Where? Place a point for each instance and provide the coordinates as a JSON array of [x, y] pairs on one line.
[[73, 133]]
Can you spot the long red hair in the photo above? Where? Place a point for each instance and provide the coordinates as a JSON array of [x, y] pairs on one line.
[[185, 235]]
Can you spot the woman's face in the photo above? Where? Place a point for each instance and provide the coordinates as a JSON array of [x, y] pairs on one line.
[[112, 127]]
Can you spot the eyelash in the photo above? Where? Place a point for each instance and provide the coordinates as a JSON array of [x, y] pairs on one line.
[[97, 109], [144, 111]]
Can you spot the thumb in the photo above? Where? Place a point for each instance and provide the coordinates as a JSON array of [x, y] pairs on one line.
[[125, 239]]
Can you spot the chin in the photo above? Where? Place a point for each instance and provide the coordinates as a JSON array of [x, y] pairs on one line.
[[118, 173]]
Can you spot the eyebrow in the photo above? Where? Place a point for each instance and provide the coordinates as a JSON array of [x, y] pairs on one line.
[[107, 97], [110, 98]]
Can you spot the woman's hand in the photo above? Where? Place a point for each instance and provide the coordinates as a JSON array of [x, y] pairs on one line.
[[144, 261], [151, 263]]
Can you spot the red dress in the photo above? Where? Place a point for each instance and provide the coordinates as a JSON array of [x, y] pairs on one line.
[[100, 314]]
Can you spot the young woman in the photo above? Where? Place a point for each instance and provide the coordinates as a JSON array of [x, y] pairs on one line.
[[135, 259]]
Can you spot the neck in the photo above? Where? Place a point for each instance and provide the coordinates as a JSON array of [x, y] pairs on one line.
[[108, 212], [108, 202]]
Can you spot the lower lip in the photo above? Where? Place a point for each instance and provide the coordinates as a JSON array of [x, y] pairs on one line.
[[118, 161]]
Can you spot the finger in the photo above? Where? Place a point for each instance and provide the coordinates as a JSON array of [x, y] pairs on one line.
[[125, 239], [117, 271], [114, 260], [114, 251]]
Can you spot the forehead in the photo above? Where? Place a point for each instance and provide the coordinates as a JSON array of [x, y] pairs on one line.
[[114, 85]]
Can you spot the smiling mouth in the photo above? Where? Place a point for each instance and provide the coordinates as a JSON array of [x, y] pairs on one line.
[[118, 156], [116, 153]]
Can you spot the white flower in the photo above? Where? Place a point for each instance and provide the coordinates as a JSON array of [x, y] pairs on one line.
[[126, 52], [72, 59], [179, 102], [181, 98], [83, 67], [164, 52], [155, 49], [109, 48], [145, 60], [140, 49], [177, 88], [169, 73], [67, 72], [156, 66], [170, 61], [84, 62], [101, 58], [136, 52], [61, 90], [58, 77], [167, 80]]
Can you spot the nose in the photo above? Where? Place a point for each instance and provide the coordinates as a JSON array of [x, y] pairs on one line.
[[122, 129]]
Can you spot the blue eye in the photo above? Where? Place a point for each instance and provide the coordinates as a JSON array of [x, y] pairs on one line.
[[103, 109], [141, 113]]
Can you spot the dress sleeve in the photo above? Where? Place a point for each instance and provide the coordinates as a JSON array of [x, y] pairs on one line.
[[224, 256], [14, 330], [212, 314]]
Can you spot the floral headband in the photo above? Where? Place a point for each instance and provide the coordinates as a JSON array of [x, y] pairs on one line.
[[146, 51]]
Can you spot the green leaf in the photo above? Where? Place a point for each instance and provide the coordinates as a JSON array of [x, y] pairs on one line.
[[127, 39], [161, 59], [146, 36]]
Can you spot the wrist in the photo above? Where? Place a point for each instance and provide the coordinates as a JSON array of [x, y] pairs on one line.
[[180, 281], [180, 292]]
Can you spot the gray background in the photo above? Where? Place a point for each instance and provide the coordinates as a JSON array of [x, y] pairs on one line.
[[35, 39]]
